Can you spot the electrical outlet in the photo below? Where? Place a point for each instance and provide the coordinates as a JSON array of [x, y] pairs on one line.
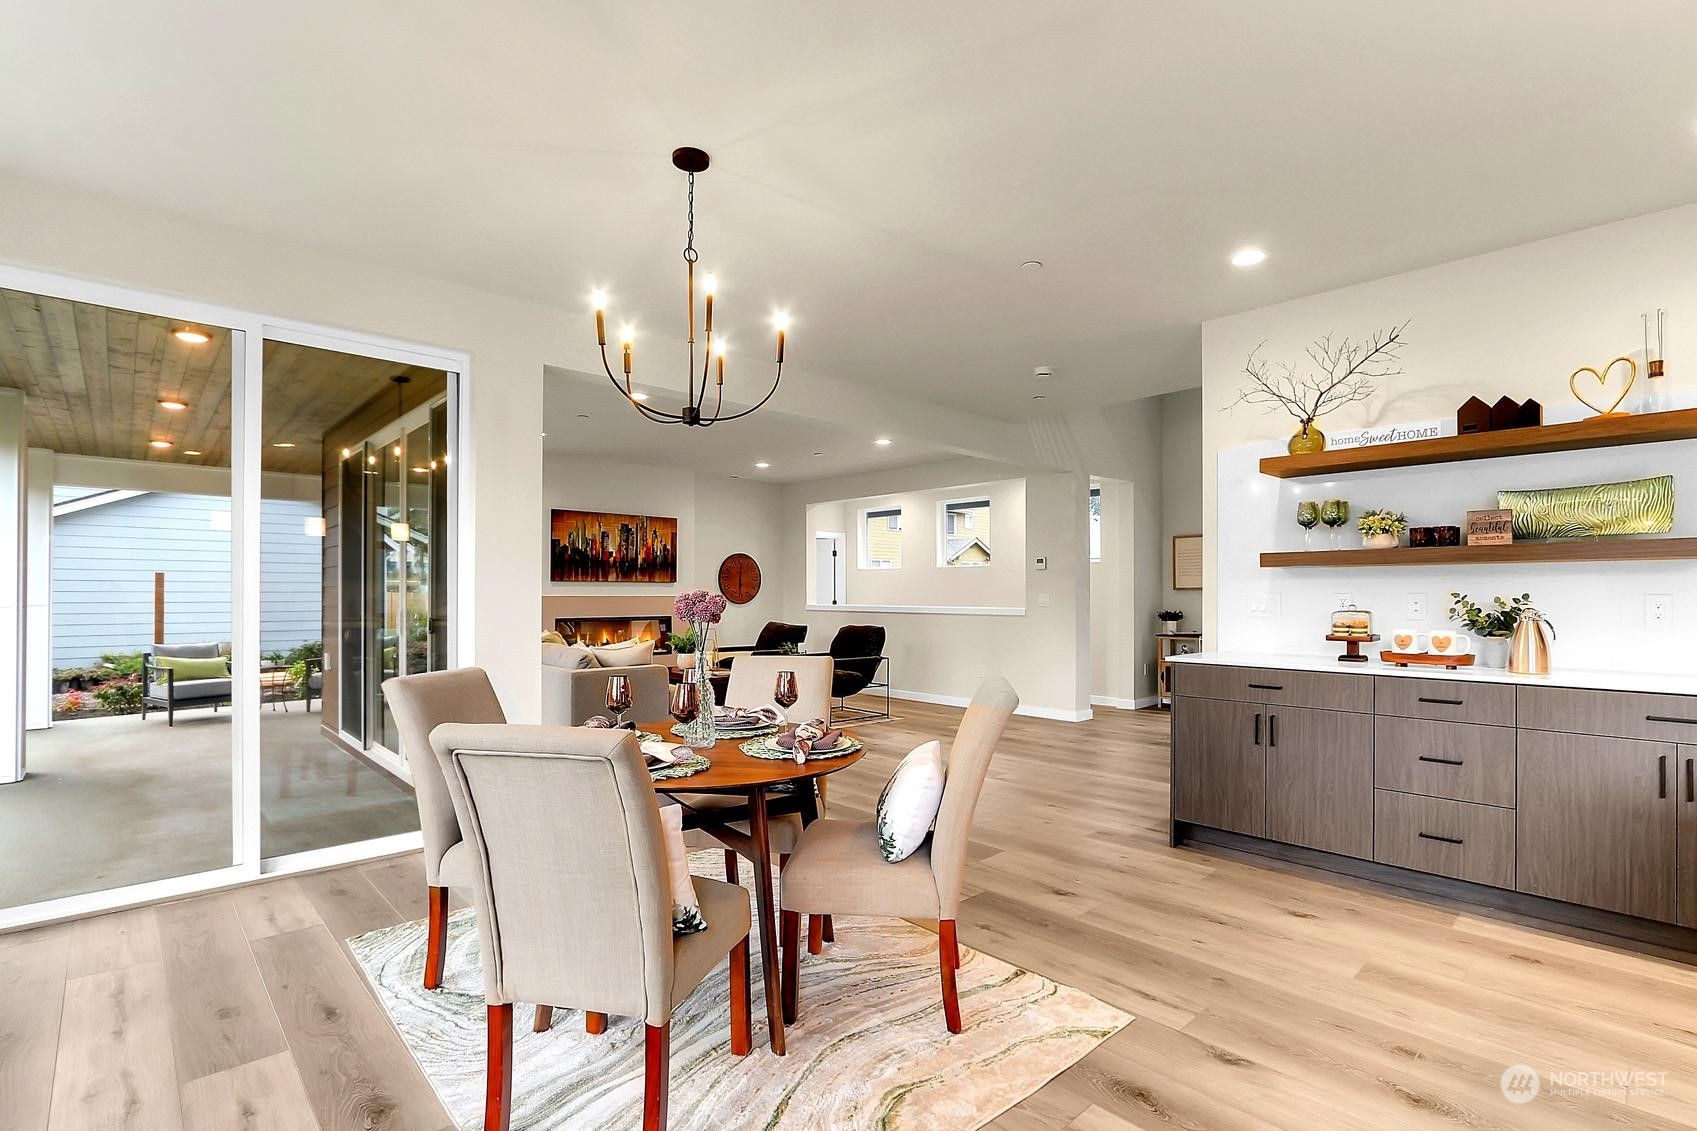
[[1417, 606], [1266, 605], [1042, 600], [1658, 610]]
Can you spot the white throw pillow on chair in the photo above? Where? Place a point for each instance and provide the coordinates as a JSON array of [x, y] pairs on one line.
[[625, 654], [686, 905], [908, 806]]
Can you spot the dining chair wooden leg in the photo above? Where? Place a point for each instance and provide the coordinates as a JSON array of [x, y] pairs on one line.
[[830, 929], [948, 953], [655, 1078], [594, 1023], [436, 937], [544, 1019], [742, 1001], [816, 934], [731, 876], [791, 930], [498, 1082]]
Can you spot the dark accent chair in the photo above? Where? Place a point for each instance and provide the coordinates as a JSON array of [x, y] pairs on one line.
[[857, 655], [773, 640], [161, 689]]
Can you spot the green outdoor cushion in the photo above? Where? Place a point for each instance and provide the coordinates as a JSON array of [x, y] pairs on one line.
[[187, 667]]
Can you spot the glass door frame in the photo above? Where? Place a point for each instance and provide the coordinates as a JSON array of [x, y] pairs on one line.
[[249, 332]]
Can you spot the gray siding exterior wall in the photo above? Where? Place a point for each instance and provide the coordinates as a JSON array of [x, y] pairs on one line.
[[104, 559]]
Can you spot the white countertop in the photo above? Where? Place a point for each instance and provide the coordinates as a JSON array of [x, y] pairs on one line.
[[1661, 682]]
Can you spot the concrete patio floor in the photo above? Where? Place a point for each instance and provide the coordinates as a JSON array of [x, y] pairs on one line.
[[114, 801]]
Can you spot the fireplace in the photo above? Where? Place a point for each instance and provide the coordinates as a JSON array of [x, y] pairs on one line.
[[599, 630]]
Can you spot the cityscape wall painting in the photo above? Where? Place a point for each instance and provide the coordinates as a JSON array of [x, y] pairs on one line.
[[598, 546]]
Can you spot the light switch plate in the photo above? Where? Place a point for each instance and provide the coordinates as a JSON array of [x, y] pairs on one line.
[[1042, 600]]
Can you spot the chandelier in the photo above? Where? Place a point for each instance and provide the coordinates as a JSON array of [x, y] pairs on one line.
[[691, 161]]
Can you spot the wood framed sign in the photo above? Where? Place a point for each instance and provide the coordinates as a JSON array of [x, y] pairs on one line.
[[1490, 528], [1187, 561]]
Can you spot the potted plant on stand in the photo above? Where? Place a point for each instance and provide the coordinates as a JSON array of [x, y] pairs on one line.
[[1170, 619], [1381, 529], [1492, 624]]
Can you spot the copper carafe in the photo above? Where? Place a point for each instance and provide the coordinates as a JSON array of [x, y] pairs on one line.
[[1529, 647]]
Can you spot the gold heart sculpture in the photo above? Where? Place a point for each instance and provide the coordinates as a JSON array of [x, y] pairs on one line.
[[1602, 383]]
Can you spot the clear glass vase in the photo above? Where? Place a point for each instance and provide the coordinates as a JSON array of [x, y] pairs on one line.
[[699, 732]]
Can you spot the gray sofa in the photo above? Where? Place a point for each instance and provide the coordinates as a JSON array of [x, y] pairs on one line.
[[162, 690], [571, 695]]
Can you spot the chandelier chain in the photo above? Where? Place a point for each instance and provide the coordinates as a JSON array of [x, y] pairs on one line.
[[690, 254]]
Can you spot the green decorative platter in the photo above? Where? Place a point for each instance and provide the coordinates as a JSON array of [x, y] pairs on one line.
[[687, 766], [765, 748], [678, 732], [1638, 506]]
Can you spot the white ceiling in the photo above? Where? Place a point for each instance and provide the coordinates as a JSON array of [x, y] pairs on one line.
[[881, 167], [583, 417]]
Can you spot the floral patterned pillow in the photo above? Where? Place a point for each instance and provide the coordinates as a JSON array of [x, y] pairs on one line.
[[908, 806], [686, 906]]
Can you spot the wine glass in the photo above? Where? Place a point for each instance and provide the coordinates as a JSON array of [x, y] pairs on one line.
[[785, 694], [686, 702], [618, 697], [1334, 513], [1307, 517]]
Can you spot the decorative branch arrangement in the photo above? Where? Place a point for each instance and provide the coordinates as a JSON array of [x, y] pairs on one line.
[[1343, 372]]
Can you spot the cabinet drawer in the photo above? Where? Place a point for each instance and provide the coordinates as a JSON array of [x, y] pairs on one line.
[[1326, 690], [1460, 761], [1447, 700], [1619, 714], [1445, 838]]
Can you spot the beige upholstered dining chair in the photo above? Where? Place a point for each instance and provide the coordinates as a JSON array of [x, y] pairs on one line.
[[754, 678], [420, 704], [837, 869], [574, 901]]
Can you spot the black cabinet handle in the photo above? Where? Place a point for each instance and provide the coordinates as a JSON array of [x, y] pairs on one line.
[[1690, 784], [1268, 686], [1442, 761], [1257, 728], [1445, 839], [1662, 776], [1272, 730], [1445, 702], [1657, 719]]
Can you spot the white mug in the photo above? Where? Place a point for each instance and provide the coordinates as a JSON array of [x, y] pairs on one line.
[[1408, 640], [1448, 642]]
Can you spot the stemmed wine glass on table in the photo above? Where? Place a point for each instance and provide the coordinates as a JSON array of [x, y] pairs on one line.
[[686, 702], [785, 694], [618, 697]]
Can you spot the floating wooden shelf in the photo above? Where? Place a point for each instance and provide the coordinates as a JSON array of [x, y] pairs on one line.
[[1598, 432], [1567, 550]]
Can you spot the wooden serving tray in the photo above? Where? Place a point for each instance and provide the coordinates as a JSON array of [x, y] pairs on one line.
[[1403, 659]]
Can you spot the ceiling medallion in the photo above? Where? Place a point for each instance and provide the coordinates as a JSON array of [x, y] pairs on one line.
[[691, 161]]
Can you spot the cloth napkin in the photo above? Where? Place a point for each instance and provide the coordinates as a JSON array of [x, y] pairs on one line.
[[804, 738], [746, 716], [659, 753]]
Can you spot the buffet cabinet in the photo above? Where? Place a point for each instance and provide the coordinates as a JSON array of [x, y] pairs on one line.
[[1588, 797]]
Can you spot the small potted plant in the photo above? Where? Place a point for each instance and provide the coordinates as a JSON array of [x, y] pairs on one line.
[[1170, 619], [1493, 624], [683, 649], [1381, 529]]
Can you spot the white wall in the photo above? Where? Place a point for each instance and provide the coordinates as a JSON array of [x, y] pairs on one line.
[[920, 580], [717, 516], [1515, 322], [57, 229], [1043, 651]]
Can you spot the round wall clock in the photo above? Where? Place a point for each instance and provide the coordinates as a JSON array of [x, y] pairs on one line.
[[739, 579]]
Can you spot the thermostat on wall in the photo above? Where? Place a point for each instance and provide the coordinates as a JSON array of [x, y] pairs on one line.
[[1042, 563]]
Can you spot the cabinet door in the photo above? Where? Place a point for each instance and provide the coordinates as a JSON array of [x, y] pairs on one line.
[[1597, 821], [1688, 835], [1219, 771], [1320, 780]]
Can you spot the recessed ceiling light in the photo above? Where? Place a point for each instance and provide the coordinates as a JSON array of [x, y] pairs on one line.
[[159, 443], [1032, 265], [1247, 256], [818, 453], [191, 335], [173, 406], [762, 465], [583, 416], [191, 452], [1040, 396], [283, 444], [883, 441], [421, 471]]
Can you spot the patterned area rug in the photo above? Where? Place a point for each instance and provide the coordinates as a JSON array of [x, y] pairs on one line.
[[870, 1049]]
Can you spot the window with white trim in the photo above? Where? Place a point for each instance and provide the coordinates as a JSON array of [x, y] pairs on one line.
[[881, 538], [965, 529]]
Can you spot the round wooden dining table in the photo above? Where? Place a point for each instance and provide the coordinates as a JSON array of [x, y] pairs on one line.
[[772, 787]]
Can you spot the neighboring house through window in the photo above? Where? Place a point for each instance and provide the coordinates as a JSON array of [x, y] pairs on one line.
[[966, 533], [881, 539]]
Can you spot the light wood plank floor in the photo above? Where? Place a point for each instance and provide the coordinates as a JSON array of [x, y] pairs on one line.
[[1265, 998]]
